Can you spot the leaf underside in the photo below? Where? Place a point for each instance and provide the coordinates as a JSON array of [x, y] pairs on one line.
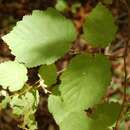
[[12, 75], [41, 38]]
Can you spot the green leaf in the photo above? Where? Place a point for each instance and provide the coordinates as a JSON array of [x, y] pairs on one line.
[[57, 108], [85, 81], [49, 74], [4, 103], [104, 116], [99, 28], [41, 38], [12, 75], [25, 103], [75, 6], [61, 5], [75, 121], [122, 125], [26, 106], [29, 121]]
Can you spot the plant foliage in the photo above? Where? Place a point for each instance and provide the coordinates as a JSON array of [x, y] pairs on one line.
[[12, 75], [39, 35], [43, 38], [99, 28]]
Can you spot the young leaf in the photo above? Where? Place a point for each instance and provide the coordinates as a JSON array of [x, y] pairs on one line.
[[25, 103], [85, 81], [48, 73], [41, 38], [4, 103], [26, 106], [61, 5], [12, 75], [99, 28]]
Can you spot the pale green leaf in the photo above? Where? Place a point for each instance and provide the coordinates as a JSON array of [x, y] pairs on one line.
[[85, 81], [61, 5], [26, 106], [48, 74], [77, 120], [103, 117], [25, 103], [57, 108], [75, 6], [99, 28], [29, 121], [41, 38], [12, 75], [122, 125], [4, 103]]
